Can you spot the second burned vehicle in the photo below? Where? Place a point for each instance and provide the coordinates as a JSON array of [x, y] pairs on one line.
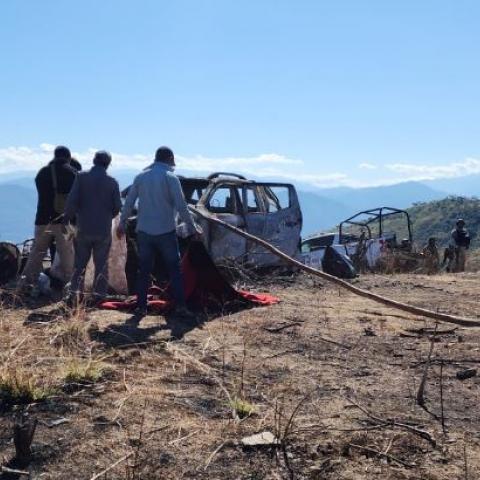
[[365, 237]]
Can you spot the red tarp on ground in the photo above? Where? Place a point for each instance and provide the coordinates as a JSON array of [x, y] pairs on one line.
[[204, 286]]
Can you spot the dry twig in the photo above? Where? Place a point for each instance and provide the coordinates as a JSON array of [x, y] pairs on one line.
[[382, 454], [112, 466], [392, 423]]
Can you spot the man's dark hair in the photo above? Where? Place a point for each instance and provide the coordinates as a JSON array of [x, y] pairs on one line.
[[165, 155], [62, 153], [102, 158]]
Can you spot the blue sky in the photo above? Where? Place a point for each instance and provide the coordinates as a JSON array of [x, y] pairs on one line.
[[325, 92]]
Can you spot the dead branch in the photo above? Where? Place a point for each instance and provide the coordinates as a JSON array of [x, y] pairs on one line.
[[465, 461], [423, 312], [13, 471], [282, 327], [178, 440], [442, 410], [421, 388], [382, 454], [127, 388], [328, 340], [452, 361], [280, 354], [392, 423], [112, 466], [429, 331], [14, 350], [214, 454]]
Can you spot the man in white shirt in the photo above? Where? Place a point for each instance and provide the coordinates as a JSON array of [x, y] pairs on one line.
[[160, 200]]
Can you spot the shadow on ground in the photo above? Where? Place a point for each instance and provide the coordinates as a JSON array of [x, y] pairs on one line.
[[133, 334]]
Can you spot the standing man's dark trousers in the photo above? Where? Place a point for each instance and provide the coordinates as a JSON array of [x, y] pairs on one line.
[[85, 246], [165, 245]]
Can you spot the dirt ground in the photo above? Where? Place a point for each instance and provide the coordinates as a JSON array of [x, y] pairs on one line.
[[334, 377]]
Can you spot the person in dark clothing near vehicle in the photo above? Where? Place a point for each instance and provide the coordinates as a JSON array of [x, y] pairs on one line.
[[53, 182], [94, 202], [431, 256], [160, 201], [460, 242], [74, 163]]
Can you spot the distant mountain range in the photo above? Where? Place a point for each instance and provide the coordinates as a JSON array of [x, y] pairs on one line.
[[17, 212], [337, 204], [322, 209]]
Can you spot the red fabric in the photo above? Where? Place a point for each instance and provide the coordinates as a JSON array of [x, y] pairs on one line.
[[204, 287]]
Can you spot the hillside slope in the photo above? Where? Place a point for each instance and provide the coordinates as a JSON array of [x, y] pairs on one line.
[[437, 219]]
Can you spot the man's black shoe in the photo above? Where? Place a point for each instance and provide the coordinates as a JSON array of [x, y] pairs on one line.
[[140, 312]]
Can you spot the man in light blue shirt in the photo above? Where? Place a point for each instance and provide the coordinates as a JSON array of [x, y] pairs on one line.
[[160, 201]]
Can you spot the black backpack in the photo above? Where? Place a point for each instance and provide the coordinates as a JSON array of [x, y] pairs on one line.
[[338, 264]]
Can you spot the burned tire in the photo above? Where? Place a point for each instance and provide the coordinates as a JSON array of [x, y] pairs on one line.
[[10, 260]]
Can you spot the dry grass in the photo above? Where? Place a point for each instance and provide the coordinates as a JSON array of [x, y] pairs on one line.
[[179, 409], [20, 387], [242, 408], [71, 334], [80, 371]]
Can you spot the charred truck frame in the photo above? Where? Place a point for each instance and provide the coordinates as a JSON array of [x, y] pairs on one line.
[[267, 210]]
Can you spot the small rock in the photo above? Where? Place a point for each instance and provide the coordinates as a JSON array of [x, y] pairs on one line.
[[468, 373], [264, 439]]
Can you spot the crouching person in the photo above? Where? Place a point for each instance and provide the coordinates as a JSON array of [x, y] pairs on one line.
[[94, 201]]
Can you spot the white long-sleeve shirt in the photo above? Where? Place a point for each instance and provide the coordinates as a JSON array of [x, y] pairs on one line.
[[160, 200]]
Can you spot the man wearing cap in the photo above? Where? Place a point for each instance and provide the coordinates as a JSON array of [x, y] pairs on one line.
[[160, 201], [94, 202], [460, 241], [53, 182]]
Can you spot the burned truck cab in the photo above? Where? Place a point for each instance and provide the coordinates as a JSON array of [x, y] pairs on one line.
[[267, 210], [270, 211]]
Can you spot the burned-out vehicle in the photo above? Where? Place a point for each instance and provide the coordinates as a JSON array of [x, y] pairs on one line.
[[267, 210], [270, 211], [364, 237]]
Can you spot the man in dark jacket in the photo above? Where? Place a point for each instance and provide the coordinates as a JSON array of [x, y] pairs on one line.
[[94, 201], [76, 165], [53, 182], [461, 243]]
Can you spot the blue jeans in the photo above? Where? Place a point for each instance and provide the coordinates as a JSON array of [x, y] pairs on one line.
[[166, 246]]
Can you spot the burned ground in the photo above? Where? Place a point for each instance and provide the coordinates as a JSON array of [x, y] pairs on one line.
[[332, 376]]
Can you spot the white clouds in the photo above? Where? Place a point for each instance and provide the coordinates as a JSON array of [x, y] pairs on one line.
[[264, 162], [268, 166], [14, 159], [271, 165], [367, 166], [25, 159], [469, 166]]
